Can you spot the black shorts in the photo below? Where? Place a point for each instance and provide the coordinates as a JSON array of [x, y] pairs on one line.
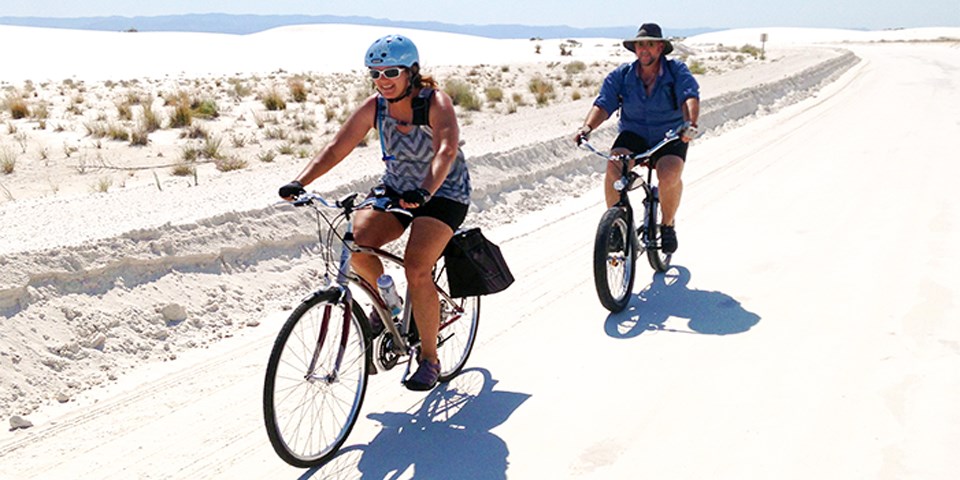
[[636, 144], [447, 211]]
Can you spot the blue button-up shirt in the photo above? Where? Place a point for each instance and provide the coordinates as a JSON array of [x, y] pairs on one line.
[[648, 116]]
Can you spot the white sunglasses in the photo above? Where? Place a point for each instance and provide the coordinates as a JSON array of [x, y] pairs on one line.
[[392, 72]]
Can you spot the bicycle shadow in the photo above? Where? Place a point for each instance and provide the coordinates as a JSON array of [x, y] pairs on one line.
[[667, 295], [448, 436]]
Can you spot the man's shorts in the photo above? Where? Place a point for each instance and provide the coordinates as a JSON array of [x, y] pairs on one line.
[[636, 144]]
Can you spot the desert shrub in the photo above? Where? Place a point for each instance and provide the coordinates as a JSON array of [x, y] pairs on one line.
[[124, 111], [272, 100], [697, 67], [286, 148], [275, 133], [494, 94], [183, 169], [575, 95], [8, 160], [117, 132], [103, 184], [195, 132], [18, 108], [267, 156], [139, 137], [182, 115], [211, 147], [41, 112], [574, 67], [205, 108], [298, 90], [189, 154], [227, 164], [751, 50], [306, 124], [96, 129], [149, 120], [542, 89], [462, 94]]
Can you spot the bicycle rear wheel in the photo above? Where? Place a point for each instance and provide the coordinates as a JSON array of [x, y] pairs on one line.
[[614, 259], [658, 260], [458, 329], [309, 413]]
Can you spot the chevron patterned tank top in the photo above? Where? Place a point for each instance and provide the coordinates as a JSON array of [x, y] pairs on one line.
[[413, 153]]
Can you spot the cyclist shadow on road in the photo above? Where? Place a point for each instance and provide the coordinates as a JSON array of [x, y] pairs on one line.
[[708, 312], [448, 436]]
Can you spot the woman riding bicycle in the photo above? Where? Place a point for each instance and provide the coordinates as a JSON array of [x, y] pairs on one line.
[[425, 170]]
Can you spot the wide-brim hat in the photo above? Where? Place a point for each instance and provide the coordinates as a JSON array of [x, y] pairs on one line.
[[648, 31]]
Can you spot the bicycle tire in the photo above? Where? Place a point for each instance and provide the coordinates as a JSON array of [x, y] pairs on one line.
[[657, 259], [307, 420], [458, 332], [614, 259]]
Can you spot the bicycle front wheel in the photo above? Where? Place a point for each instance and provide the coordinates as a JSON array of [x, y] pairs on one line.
[[658, 260], [614, 259], [316, 380], [459, 320]]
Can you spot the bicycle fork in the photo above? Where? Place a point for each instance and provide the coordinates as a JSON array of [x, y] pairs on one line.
[[330, 377]]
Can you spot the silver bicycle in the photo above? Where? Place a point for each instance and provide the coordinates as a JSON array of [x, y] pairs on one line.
[[318, 369]]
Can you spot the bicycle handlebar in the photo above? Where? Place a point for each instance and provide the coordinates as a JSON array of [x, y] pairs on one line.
[[346, 203], [670, 137]]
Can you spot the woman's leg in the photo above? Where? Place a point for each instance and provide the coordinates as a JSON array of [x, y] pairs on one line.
[[428, 238], [373, 229]]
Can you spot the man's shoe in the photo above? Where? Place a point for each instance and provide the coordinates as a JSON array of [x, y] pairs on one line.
[[668, 238], [425, 377]]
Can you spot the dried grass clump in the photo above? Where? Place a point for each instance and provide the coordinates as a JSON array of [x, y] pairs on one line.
[[8, 160], [227, 164], [542, 89], [298, 90], [17, 106], [462, 94], [272, 100]]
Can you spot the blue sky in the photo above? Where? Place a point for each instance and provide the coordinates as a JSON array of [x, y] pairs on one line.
[[865, 14]]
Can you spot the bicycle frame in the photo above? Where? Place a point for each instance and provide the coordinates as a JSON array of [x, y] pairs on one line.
[[630, 180], [400, 333]]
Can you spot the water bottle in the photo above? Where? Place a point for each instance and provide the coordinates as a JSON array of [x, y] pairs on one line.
[[389, 293]]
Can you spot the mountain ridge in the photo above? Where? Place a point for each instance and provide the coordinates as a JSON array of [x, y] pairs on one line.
[[247, 24]]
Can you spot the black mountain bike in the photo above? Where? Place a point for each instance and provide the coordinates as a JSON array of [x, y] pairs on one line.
[[620, 238]]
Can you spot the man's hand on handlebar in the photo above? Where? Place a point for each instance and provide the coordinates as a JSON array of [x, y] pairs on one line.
[[582, 135], [688, 132]]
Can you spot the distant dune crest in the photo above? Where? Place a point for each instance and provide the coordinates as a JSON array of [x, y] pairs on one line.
[[244, 24]]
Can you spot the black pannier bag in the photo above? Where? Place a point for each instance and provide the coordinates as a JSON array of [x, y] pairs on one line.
[[475, 265]]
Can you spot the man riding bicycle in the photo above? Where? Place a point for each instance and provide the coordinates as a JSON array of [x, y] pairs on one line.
[[654, 94]]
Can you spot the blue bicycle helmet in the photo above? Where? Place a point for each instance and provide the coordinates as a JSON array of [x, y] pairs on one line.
[[390, 51]]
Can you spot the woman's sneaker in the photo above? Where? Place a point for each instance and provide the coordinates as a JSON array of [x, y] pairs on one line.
[[668, 238], [376, 325], [425, 378]]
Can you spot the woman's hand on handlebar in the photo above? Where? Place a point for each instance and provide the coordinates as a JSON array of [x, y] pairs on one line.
[[291, 190], [414, 198]]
